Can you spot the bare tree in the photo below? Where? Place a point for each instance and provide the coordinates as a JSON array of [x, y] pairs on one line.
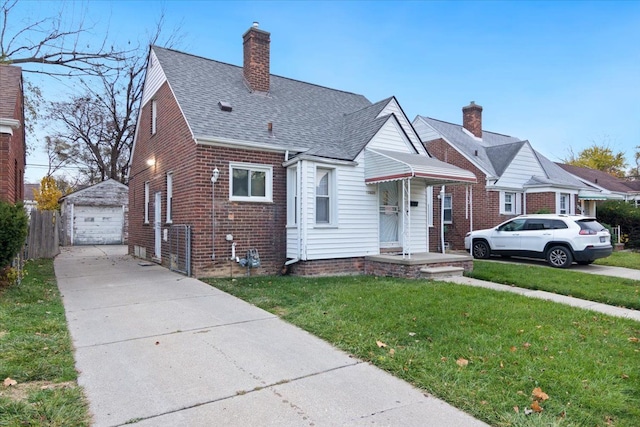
[[50, 42], [98, 126]]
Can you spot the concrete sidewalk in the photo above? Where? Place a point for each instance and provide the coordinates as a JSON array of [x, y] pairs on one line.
[[155, 348]]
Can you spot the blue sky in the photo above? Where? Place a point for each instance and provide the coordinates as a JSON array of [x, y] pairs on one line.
[[563, 75]]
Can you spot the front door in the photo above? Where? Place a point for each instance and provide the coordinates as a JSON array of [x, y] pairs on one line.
[[389, 214], [157, 225]]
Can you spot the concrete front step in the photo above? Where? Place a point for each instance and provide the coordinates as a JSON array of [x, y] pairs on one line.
[[439, 272]]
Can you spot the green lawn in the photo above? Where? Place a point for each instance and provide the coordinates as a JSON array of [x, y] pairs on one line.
[[36, 352], [605, 289], [627, 259], [481, 350]]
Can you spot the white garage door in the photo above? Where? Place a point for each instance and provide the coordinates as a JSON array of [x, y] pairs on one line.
[[97, 225]]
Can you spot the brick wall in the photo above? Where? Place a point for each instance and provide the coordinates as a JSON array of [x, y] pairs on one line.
[[486, 203], [12, 156], [329, 267], [252, 225]]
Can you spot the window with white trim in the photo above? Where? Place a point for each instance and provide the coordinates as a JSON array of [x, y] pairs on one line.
[[325, 203], [250, 183], [448, 209], [510, 203], [564, 203], [154, 116], [146, 202], [292, 196], [169, 197]]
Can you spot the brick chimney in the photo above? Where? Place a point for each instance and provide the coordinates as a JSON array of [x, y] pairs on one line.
[[472, 119], [256, 58]]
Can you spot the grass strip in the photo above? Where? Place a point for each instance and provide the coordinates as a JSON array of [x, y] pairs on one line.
[[605, 289], [483, 351], [626, 259], [37, 353]]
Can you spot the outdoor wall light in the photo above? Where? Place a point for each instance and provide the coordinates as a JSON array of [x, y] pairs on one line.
[[215, 175], [151, 162]]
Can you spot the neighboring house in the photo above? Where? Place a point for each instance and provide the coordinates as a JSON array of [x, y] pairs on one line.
[[307, 178], [12, 134], [96, 215], [29, 197], [601, 186], [513, 178]]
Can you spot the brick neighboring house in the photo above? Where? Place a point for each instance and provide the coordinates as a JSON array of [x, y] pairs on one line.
[[513, 178], [314, 179], [12, 135], [602, 186]]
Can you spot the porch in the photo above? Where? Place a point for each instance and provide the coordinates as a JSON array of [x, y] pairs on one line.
[[425, 265]]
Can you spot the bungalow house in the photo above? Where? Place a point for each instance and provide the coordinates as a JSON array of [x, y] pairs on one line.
[[513, 178], [601, 186], [12, 135], [257, 171]]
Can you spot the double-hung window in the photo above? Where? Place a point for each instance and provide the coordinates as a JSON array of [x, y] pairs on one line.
[[510, 203], [169, 197], [325, 196], [448, 209], [154, 116], [146, 202], [251, 183]]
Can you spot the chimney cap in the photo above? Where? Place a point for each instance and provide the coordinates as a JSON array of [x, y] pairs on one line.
[[472, 104], [255, 24]]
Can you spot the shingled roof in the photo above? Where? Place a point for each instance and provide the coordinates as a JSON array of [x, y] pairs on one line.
[[601, 179], [304, 117], [494, 152], [10, 82]]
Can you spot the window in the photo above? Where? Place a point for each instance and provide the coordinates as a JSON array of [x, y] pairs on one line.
[[154, 116], [510, 203], [169, 197], [564, 204], [250, 183], [146, 202], [323, 196], [448, 210], [292, 196]]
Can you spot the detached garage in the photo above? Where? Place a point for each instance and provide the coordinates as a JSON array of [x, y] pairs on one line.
[[96, 215]]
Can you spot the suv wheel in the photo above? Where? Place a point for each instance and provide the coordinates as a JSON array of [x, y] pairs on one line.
[[559, 257], [480, 249]]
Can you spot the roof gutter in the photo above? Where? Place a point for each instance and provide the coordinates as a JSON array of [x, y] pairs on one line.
[[235, 143]]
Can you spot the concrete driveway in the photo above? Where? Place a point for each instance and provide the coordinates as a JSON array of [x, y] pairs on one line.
[[155, 348]]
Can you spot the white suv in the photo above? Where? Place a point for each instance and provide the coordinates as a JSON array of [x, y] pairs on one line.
[[560, 239]]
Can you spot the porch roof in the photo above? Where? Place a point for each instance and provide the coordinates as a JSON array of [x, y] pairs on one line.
[[384, 165], [595, 195]]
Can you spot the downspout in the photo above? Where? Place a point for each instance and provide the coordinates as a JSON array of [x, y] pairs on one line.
[[442, 219], [214, 179]]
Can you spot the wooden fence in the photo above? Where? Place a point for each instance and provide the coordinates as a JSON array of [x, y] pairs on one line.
[[44, 234]]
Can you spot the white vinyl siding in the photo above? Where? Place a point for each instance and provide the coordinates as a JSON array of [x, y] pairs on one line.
[[425, 131], [393, 108], [146, 202], [250, 182], [523, 166], [292, 196], [154, 79], [390, 137]]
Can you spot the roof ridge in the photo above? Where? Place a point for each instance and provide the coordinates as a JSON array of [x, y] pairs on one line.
[[270, 74], [459, 125]]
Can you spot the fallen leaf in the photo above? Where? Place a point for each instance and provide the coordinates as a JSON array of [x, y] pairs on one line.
[[513, 348], [443, 359], [539, 394], [526, 345], [501, 364], [8, 382], [633, 339], [484, 402], [536, 406], [392, 352], [625, 376], [516, 409], [381, 344], [462, 362], [412, 334]]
